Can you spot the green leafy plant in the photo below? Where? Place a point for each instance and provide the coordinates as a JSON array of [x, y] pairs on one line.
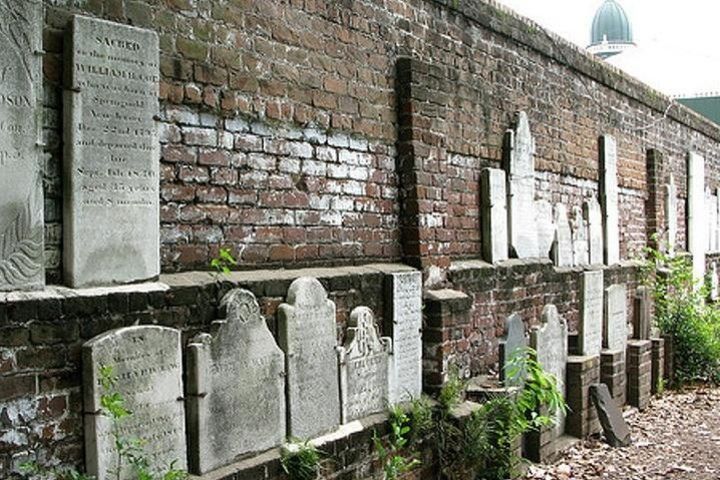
[[223, 263], [392, 453], [33, 470], [300, 460], [452, 391]]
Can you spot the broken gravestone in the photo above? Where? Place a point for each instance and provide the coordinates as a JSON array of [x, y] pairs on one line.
[[617, 432]]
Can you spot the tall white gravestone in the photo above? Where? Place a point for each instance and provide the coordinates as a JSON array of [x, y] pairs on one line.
[[562, 249], [236, 386], [364, 362], [112, 155], [711, 209], [615, 329], [494, 215], [609, 198], [696, 217], [671, 214], [404, 325], [520, 168], [147, 362], [592, 215], [307, 335], [21, 163], [545, 227], [580, 242], [590, 331]]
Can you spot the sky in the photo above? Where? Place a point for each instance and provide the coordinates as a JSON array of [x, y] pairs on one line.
[[677, 42]]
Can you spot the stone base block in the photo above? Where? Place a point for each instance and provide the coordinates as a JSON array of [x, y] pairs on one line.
[[639, 363], [658, 364], [582, 419], [612, 374]]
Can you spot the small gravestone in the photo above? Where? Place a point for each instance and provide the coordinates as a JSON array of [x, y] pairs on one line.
[[545, 227], [364, 362], [671, 213], [609, 198], [696, 217], [615, 328], [714, 281], [494, 215], [519, 155], [236, 387], [590, 337], [307, 335], [514, 341], [592, 215], [21, 163], [111, 212], [550, 341], [404, 325], [579, 238], [616, 430], [562, 249], [147, 362], [642, 320]]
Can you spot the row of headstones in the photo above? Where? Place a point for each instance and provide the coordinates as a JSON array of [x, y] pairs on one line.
[[111, 159], [246, 393], [515, 223]]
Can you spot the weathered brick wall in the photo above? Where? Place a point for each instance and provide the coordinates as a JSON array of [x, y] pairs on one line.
[[280, 126]]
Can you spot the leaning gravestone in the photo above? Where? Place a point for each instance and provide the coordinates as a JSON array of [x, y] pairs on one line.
[[592, 215], [404, 325], [615, 328], [562, 249], [579, 238], [236, 387], [616, 430], [545, 227], [550, 342], [364, 362], [306, 325], [642, 320], [696, 217], [520, 168], [511, 344], [671, 213], [21, 163], [494, 215], [111, 214], [590, 337], [147, 362], [609, 198]]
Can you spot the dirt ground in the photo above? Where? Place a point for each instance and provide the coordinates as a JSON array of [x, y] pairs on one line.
[[677, 437]]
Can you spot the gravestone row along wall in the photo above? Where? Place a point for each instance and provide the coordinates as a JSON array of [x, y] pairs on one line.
[[279, 126]]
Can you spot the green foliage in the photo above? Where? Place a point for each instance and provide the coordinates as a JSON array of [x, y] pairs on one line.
[[300, 460], [422, 422], [394, 462], [33, 470], [681, 312], [452, 392], [223, 263]]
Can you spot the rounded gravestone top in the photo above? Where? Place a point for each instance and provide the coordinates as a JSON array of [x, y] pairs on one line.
[[306, 291], [240, 305]]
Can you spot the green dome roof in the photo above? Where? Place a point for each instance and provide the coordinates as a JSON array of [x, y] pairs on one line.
[[611, 23]]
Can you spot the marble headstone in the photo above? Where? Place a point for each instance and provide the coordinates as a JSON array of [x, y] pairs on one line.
[[21, 162], [609, 198], [615, 328], [592, 214], [550, 342], [696, 216], [514, 341], [111, 172], [671, 215], [520, 168], [711, 209], [307, 335], [404, 325], [147, 362], [590, 328], [236, 386], [642, 320], [545, 227], [714, 281], [579, 238], [364, 362], [716, 225], [562, 249], [494, 215]]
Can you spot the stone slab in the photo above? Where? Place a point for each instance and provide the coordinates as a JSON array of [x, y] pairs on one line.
[[696, 215], [642, 318], [580, 240], [609, 199], [514, 341], [592, 214], [520, 168], [404, 325], [545, 227], [712, 217], [112, 155], [562, 249], [236, 387], [21, 161], [494, 217], [615, 328], [364, 363], [616, 430], [307, 335], [671, 213], [147, 362], [590, 328]]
